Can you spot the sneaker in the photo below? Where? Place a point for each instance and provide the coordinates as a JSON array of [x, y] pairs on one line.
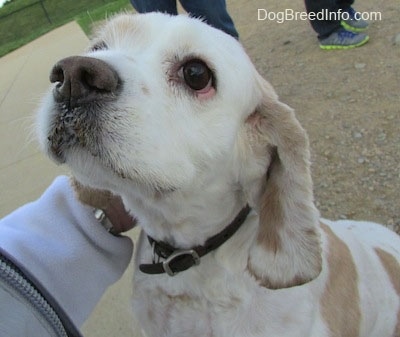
[[354, 23], [343, 39]]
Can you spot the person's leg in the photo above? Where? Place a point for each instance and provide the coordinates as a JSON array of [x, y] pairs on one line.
[[214, 12], [325, 27], [164, 6], [345, 4], [352, 22]]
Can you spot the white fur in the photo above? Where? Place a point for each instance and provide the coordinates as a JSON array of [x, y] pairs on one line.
[[185, 165]]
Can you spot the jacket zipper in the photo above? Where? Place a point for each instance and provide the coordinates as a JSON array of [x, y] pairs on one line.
[[11, 275]]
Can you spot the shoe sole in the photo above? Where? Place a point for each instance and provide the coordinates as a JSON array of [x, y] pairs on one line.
[[340, 47], [351, 28]]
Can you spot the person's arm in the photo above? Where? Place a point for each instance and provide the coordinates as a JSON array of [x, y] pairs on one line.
[[59, 241]]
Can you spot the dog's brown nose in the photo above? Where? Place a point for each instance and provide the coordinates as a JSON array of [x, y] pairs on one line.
[[82, 80]]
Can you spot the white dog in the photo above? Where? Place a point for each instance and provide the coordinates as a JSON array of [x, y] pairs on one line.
[[171, 114]]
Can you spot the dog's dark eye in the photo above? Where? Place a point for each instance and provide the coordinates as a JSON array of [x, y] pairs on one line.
[[197, 75]]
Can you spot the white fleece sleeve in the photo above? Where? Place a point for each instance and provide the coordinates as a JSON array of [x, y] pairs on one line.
[[59, 241]]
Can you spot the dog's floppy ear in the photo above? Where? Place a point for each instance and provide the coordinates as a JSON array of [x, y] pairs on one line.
[[287, 249]]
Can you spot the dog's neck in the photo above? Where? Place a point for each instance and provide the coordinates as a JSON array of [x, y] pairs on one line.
[[186, 218], [286, 251]]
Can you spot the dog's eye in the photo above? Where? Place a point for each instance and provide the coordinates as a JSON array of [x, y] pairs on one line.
[[197, 75], [101, 45]]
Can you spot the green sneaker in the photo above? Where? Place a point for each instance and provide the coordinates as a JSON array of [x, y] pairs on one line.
[[343, 39], [354, 23]]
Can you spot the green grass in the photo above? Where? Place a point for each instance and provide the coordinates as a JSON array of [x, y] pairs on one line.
[[31, 22]]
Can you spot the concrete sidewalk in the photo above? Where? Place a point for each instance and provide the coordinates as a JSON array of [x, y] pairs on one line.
[[25, 172]]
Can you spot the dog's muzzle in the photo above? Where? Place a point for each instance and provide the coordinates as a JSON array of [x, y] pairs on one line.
[[83, 85]]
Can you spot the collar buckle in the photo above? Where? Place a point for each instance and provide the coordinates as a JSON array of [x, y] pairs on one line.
[[185, 258]]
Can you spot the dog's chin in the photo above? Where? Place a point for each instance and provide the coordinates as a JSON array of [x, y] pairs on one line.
[[96, 171]]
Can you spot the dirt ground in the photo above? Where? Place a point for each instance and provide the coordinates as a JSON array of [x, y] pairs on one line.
[[348, 101]]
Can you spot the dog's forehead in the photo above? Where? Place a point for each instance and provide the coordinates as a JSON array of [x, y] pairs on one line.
[[151, 31], [124, 29]]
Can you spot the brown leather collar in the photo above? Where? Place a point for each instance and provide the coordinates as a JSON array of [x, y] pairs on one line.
[[178, 260]]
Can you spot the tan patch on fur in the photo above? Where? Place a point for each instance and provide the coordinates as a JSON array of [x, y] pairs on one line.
[[92, 197], [340, 302], [392, 268], [119, 29], [271, 219], [122, 25], [182, 298], [265, 283]]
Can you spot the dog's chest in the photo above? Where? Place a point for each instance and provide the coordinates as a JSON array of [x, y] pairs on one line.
[[162, 314], [225, 306], [194, 303], [165, 315]]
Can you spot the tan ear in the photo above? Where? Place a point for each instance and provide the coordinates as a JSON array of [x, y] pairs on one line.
[[287, 249]]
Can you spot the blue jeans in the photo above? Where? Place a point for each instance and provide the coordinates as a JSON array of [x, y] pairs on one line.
[[212, 11], [324, 28]]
